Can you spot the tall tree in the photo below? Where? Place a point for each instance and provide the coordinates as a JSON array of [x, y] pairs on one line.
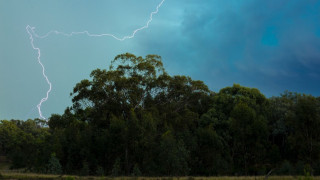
[[239, 116]]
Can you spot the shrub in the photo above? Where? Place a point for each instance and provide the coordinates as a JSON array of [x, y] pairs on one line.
[[116, 170], [286, 168], [54, 166], [136, 171], [85, 169], [100, 171]]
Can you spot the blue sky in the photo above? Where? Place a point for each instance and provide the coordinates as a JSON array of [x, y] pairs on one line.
[[272, 45]]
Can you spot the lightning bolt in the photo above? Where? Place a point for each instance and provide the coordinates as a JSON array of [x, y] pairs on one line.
[[32, 34]]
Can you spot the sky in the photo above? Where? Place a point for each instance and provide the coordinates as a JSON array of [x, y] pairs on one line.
[[272, 45]]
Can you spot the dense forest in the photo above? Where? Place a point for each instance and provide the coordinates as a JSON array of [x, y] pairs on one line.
[[136, 119]]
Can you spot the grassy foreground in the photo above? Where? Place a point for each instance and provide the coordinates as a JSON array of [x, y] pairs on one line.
[[24, 176]]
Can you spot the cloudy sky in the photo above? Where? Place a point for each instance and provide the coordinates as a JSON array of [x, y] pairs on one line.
[[272, 45]]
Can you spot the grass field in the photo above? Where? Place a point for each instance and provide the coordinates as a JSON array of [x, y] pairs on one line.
[[22, 176]]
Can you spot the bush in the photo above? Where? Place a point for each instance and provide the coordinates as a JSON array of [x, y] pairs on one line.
[[116, 170], [136, 171], [286, 168], [54, 166], [100, 171], [299, 168], [85, 169]]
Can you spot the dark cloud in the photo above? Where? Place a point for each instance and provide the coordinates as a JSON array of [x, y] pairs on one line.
[[272, 45]]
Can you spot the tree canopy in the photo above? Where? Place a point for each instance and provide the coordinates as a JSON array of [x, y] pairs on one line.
[[136, 119]]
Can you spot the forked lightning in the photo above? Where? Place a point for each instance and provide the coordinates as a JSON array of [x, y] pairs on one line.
[[32, 34]]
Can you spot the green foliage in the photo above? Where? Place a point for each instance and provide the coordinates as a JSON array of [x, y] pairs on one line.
[[54, 166], [307, 175], [116, 169], [136, 119], [85, 171], [136, 170], [100, 171], [24, 143], [173, 155], [69, 178], [286, 168]]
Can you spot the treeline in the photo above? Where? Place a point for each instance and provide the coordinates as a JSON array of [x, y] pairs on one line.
[[135, 119]]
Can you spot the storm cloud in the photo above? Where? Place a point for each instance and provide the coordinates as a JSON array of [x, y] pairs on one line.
[[271, 45]]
